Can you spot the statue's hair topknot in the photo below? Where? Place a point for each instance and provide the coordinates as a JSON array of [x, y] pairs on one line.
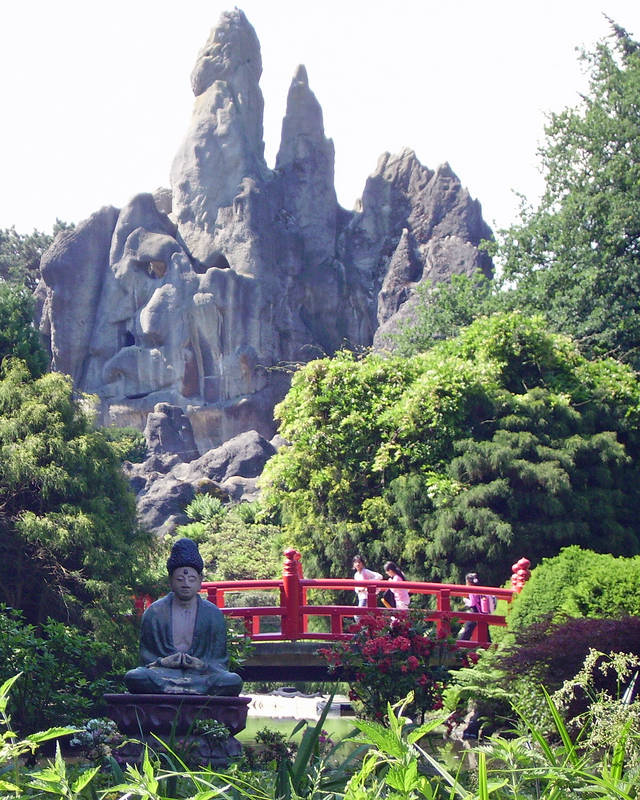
[[184, 553]]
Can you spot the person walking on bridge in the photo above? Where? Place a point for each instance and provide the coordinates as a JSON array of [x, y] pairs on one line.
[[397, 576], [473, 604], [363, 574]]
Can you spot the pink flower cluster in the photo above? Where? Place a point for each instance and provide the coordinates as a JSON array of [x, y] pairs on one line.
[[385, 659]]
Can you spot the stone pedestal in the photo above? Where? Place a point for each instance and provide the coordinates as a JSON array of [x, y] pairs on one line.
[[171, 718]]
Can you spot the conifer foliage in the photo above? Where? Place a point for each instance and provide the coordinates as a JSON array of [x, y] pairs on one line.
[[69, 543]]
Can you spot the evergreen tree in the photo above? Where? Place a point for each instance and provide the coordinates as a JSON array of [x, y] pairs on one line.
[[18, 336], [576, 257], [69, 544], [20, 254]]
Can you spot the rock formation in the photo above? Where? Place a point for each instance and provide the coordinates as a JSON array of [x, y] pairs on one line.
[[201, 296], [173, 473]]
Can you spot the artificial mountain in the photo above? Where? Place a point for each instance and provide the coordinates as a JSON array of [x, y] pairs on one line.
[[195, 301]]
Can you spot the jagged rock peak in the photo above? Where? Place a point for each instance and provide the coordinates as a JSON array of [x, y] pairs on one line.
[[191, 296], [222, 155], [301, 75], [232, 46], [303, 120]]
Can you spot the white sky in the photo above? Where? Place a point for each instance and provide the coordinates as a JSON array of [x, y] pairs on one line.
[[96, 95]]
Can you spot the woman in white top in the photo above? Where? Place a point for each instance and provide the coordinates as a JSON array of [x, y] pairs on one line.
[[363, 574], [397, 575]]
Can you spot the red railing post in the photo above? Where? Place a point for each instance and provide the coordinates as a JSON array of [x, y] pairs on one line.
[[292, 595], [520, 574], [480, 634], [443, 626], [305, 618]]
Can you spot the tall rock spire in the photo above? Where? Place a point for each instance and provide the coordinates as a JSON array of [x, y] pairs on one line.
[[224, 143], [305, 163]]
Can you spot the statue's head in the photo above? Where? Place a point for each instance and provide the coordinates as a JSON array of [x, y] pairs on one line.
[[185, 553], [185, 569]]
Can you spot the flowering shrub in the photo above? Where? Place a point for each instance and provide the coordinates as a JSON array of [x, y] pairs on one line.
[[389, 657]]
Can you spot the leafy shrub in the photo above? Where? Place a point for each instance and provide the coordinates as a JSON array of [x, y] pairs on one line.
[[272, 746], [234, 544], [239, 644], [211, 729], [205, 508], [62, 672], [96, 739], [556, 652], [549, 653], [129, 443], [546, 654], [578, 583], [389, 657]]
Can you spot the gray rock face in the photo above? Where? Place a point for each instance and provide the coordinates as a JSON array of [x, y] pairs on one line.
[[202, 295], [174, 473]]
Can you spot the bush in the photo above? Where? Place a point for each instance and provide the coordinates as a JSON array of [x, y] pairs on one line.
[[389, 657], [578, 583], [549, 653], [556, 652], [63, 672], [129, 443], [234, 544], [546, 654]]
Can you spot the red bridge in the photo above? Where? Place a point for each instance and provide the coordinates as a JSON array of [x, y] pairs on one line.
[[288, 652]]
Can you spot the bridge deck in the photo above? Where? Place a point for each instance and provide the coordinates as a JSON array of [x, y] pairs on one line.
[[298, 661]]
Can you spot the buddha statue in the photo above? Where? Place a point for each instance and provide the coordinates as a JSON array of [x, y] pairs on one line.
[[183, 641]]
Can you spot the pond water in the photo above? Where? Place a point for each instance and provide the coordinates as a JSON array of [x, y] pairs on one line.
[[336, 727]]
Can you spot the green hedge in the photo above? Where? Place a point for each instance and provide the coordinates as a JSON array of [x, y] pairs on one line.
[[578, 583]]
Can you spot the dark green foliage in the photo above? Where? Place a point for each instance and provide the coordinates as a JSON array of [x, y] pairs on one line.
[[271, 746], [18, 337], [128, 443], [576, 258], [501, 443], [63, 672], [578, 583], [69, 544], [20, 254]]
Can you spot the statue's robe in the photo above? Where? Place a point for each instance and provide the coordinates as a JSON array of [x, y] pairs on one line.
[[209, 644]]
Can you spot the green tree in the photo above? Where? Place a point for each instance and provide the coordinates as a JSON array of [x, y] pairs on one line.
[[70, 547], [20, 254], [576, 257], [578, 583], [234, 542], [18, 336], [443, 310], [500, 443]]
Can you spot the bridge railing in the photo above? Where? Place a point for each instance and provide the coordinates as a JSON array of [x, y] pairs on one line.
[[295, 612]]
